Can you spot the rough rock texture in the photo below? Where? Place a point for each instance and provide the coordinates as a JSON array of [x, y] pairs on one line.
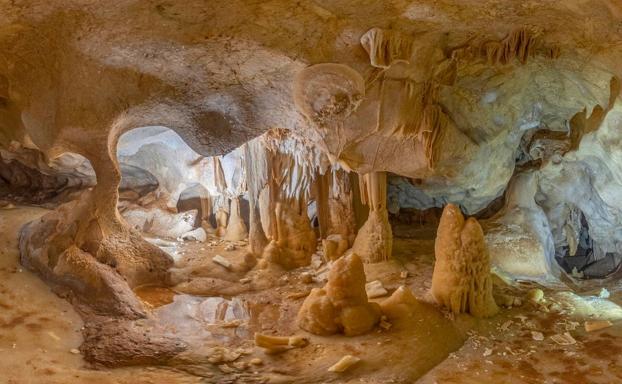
[[461, 280], [115, 343], [342, 305]]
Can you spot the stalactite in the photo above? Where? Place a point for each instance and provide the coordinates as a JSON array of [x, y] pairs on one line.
[[219, 176], [520, 44], [419, 117], [374, 241], [385, 47], [322, 184], [257, 174], [341, 217], [292, 168]]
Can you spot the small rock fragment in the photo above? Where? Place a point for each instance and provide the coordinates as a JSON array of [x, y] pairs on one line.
[[535, 295], [256, 361], [487, 352], [404, 274], [224, 368], [229, 247], [277, 344], [298, 295], [195, 235], [564, 339], [538, 336], [384, 324], [74, 351], [344, 364], [576, 274], [595, 325], [604, 293], [505, 326], [306, 278], [222, 261], [375, 289]]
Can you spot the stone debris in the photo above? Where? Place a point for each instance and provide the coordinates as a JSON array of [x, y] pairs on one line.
[[404, 274], [224, 368], [538, 336], [74, 351], [195, 235], [298, 295], [604, 293], [595, 325], [508, 301], [487, 352], [535, 295], [230, 247], [221, 355], [256, 361], [222, 261], [375, 289], [344, 364], [306, 278], [231, 324], [385, 324], [278, 344], [505, 326], [564, 339]]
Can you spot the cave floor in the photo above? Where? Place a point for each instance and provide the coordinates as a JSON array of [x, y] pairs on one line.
[[217, 315]]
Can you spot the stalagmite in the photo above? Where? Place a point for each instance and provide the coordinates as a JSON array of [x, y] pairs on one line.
[[293, 241], [342, 305], [374, 241], [461, 280], [236, 229], [221, 222]]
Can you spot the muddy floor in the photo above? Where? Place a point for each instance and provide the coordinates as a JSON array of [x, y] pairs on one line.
[[217, 310]]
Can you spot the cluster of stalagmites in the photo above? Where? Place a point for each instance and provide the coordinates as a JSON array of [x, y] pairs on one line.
[[461, 282]]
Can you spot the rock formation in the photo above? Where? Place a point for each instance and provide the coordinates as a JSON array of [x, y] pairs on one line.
[[374, 241], [342, 305], [461, 280]]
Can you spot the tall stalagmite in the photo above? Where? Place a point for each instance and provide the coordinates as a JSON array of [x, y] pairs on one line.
[[461, 279]]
